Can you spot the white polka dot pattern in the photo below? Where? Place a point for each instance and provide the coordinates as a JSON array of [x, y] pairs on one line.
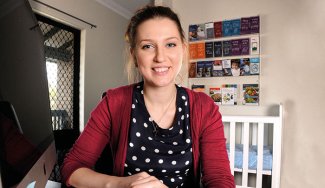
[[166, 154]]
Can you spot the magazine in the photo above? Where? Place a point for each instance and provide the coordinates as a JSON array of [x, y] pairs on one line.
[[209, 30], [217, 68], [255, 45], [229, 94], [192, 70], [244, 66], [254, 66], [208, 49], [215, 94], [198, 88], [251, 94]]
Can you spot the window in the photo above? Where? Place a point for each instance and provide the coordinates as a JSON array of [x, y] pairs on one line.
[[62, 52]]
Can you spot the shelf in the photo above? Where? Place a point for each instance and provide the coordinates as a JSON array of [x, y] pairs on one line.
[[226, 38]]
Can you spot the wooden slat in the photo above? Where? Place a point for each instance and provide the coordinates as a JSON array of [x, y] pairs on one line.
[[245, 154], [232, 145], [259, 169]]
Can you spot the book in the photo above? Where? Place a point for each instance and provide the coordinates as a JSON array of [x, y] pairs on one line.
[[199, 69], [235, 47], [235, 26], [209, 30], [208, 66], [229, 94], [200, 50], [215, 94], [254, 67], [217, 49], [192, 50], [244, 66], [226, 48], [209, 49], [227, 29], [255, 24], [245, 26], [226, 67], [254, 45], [235, 67], [201, 35], [192, 33], [217, 29], [217, 68], [244, 46], [198, 88], [192, 70], [251, 94]]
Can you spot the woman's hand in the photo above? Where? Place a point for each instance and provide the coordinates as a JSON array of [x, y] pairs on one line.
[[141, 180]]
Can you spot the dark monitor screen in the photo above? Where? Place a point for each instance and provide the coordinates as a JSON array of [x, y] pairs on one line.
[[26, 131]]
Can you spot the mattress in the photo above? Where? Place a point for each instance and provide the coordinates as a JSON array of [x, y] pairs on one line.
[[252, 157]]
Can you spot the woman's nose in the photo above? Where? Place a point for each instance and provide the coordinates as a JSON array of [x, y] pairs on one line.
[[160, 55]]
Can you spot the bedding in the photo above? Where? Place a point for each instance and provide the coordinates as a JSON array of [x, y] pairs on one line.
[[252, 157]]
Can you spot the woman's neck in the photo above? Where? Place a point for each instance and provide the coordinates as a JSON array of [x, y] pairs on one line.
[[161, 104], [159, 96]]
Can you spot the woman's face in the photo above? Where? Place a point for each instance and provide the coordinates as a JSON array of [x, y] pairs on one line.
[[159, 51]]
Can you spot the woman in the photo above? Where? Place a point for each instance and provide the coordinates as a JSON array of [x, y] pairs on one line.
[[160, 134]]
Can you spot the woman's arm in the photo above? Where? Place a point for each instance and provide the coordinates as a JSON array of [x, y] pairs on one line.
[[84, 177], [214, 159]]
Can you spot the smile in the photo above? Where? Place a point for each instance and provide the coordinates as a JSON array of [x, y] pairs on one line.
[[161, 69]]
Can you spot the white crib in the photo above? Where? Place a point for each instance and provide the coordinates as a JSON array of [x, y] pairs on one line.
[[248, 140]]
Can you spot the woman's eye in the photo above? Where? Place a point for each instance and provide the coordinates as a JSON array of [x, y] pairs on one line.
[[147, 46], [171, 45]]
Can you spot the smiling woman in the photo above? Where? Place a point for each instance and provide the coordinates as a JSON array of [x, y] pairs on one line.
[[154, 128]]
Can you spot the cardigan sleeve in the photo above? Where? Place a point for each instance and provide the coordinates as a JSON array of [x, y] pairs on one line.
[[214, 159], [91, 142]]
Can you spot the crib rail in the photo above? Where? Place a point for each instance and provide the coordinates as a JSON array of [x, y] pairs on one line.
[[259, 122]]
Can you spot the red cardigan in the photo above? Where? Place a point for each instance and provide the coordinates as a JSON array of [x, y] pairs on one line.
[[109, 124]]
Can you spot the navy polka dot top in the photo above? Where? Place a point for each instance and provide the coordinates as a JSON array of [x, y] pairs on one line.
[[164, 153]]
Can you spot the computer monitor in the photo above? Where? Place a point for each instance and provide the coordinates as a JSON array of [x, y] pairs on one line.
[[27, 143]]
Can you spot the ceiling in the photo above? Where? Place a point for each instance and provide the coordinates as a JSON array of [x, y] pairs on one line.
[[125, 8]]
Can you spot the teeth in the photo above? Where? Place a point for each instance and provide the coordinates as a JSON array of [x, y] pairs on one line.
[[162, 69]]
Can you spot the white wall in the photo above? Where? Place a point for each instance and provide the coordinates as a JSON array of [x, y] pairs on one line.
[[293, 62], [102, 48], [292, 67]]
